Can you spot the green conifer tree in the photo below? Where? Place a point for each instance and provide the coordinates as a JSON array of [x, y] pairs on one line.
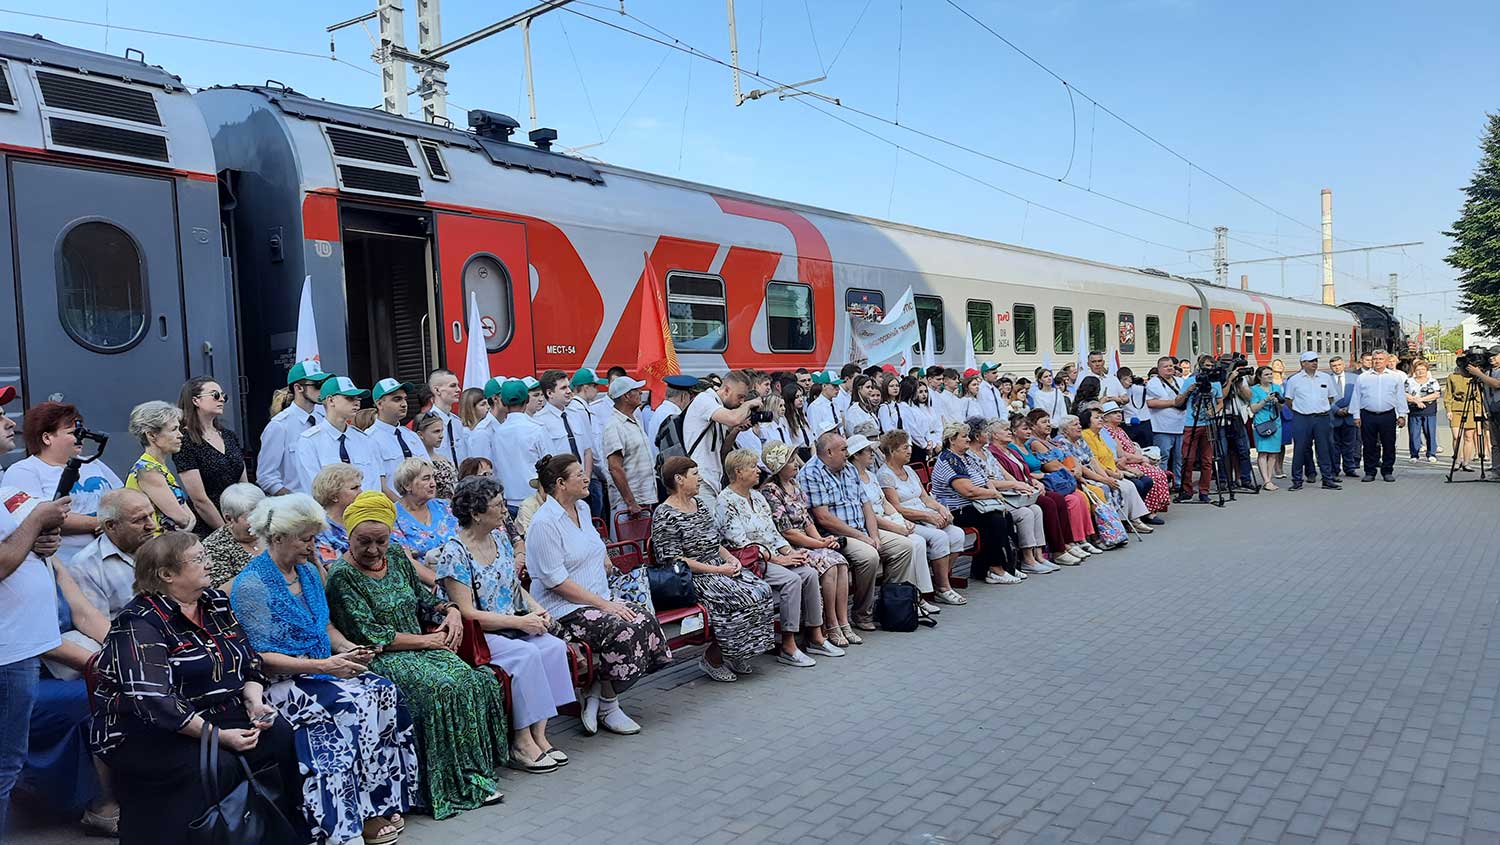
[[1476, 235]]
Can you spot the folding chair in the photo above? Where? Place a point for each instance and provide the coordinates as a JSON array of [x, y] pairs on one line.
[[633, 528]]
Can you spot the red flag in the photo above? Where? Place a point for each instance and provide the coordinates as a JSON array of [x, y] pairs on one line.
[[657, 355]]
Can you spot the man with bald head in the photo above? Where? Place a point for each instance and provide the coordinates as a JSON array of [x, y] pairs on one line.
[[105, 568]]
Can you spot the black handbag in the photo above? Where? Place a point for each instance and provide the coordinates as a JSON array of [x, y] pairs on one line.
[[896, 609], [247, 815], [672, 586]]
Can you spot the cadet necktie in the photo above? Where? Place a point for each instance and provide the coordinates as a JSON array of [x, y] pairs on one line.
[[344, 447], [400, 441], [452, 444], [312, 420]]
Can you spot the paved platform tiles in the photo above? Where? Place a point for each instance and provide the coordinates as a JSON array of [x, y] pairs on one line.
[[1315, 666]]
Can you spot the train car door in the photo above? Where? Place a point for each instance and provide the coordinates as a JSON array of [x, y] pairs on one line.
[[100, 292], [486, 257]]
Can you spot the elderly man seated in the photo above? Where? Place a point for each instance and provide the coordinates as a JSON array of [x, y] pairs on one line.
[[105, 568]]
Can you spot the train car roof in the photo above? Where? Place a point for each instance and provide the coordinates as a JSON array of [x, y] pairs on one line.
[[34, 49]]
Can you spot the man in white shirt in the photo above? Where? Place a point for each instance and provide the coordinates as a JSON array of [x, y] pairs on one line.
[[570, 430], [991, 402], [518, 443], [445, 393], [393, 441], [680, 390], [1167, 403], [1379, 408], [1110, 389], [481, 440], [845, 396], [333, 440], [105, 568], [632, 466], [588, 417], [588, 390], [714, 418], [276, 465], [1310, 395], [823, 413]]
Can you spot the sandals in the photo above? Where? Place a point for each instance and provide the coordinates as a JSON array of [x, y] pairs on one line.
[[835, 635], [96, 824], [382, 830], [853, 638], [1270, 486], [951, 596]]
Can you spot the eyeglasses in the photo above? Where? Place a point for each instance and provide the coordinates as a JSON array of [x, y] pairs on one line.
[[216, 395]]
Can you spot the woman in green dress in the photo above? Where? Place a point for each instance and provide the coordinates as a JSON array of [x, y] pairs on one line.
[[375, 599]]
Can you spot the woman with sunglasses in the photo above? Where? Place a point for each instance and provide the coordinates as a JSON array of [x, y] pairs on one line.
[[211, 458]]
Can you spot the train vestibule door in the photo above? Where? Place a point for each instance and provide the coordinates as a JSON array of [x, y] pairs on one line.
[[100, 288], [486, 257]]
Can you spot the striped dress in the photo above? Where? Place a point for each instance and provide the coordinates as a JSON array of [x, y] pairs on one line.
[[741, 608]]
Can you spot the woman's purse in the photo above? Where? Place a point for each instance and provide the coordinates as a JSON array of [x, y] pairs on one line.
[[1268, 428], [247, 815], [987, 505], [1016, 499], [672, 586], [750, 558], [1060, 481]]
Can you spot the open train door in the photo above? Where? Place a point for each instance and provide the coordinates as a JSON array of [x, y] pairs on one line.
[[486, 257]]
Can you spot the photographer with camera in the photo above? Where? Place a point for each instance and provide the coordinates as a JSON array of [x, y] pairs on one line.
[[712, 422], [1234, 372], [1484, 365], [53, 433], [1167, 405], [1203, 397]]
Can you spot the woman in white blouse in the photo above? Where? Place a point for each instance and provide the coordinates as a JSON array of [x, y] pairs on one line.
[[1044, 395], [861, 417], [905, 495], [789, 423], [745, 521], [566, 558], [913, 413], [862, 456]]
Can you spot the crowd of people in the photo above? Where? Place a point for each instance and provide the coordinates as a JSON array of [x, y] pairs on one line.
[[312, 622]]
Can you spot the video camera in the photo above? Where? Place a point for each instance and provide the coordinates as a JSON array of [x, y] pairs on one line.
[[1222, 369], [1474, 356], [71, 471], [760, 415]]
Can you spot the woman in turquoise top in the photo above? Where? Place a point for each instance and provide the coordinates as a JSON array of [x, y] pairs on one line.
[[1265, 404]]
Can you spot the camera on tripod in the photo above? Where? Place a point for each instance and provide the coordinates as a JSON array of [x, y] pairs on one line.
[[1474, 356], [1221, 369]]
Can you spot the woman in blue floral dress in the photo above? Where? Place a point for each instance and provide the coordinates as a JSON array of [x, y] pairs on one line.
[[354, 737]]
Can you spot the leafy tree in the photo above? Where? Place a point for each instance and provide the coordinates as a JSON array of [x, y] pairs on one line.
[[1452, 340], [1476, 235]]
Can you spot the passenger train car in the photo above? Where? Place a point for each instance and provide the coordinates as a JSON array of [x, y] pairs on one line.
[[396, 222]]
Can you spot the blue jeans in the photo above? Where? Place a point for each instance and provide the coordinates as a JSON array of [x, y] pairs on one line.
[[17, 693], [1418, 428], [1236, 443], [1171, 453]]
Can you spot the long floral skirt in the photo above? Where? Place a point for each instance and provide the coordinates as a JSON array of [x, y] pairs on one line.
[[741, 610], [623, 651], [355, 742], [1159, 497]]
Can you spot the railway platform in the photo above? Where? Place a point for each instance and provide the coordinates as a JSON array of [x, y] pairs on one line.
[[1298, 667]]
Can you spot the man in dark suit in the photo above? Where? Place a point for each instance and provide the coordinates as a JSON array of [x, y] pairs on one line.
[[1345, 435]]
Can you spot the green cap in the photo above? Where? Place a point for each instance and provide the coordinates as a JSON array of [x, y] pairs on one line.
[[492, 387], [307, 371], [586, 376], [341, 386], [531, 383], [513, 392], [986, 367], [387, 386], [826, 377]]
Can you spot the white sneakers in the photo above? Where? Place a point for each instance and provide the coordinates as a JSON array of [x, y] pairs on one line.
[[1067, 558], [825, 649], [796, 658]]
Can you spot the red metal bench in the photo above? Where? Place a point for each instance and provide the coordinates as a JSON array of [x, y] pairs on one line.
[[625, 557]]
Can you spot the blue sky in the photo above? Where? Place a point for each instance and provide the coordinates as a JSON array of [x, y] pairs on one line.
[[1280, 99]]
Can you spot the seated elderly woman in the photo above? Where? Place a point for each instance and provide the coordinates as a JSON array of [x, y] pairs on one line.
[[1016, 497], [789, 514], [233, 544], [1013, 467], [375, 600], [476, 570], [740, 607], [745, 520], [567, 564], [158, 425], [1099, 466], [177, 663], [959, 483], [1070, 509], [862, 456], [1157, 491], [354, 739], [423, 521], [1078, 459], [903, 493], [334, 488], [1053, 461]]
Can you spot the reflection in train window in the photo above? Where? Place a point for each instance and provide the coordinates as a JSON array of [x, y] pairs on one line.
[[486, 278], [1025, 320], [1062, 330], [101, 281], [1153, 333], [789, 317], [982, 326], [870, 303], [1098, 337], [696, 312], [930, 311], [1127, 333]]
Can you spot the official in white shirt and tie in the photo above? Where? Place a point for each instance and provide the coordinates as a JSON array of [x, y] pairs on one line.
[[1379, 408], [393, 441], [445, 392], [333, 440]]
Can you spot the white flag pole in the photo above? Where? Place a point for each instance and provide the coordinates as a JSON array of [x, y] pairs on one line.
[[307, 328], [929, 349], [476, 357]]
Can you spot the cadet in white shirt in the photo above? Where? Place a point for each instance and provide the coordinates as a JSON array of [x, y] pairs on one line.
[[1379, 408], [845, 397], [992, 404], [570, 430], [632, 467], [1310, 394], [333, 440], [823, 413], [393, 441], [481, 440], [518, 444], [445, 393], [276, 465]]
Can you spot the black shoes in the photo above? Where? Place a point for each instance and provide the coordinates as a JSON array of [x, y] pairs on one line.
[[1368, 478], [1331, 486], [1388, 478], [1351, 474]]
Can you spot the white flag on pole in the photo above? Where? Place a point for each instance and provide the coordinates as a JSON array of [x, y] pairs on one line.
[[889, 338], [1083, 347], [970, 361], [307, 329], [929, 349], [476, 357]]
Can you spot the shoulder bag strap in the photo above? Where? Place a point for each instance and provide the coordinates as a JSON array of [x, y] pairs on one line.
[[208, 763]]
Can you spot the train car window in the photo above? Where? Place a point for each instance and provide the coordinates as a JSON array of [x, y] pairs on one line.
[[1062, 330], [102, 290], [1298, 346], [930, 311], [1153, 334], [1276, 342], [1098, 332], [1127, 333], [696, 312], [1024, 316], [1194, 339], [982, 326], [789, 317], [1249, 343], [869, 302], [487, 279]]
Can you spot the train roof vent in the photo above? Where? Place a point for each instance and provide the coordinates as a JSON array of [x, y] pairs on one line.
[[110, 140], [436, 167], [385, 182], [374, 162], [76, 94], [367, 146]]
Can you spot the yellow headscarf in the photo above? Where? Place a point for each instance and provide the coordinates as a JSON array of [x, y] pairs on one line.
[[369, 506]]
